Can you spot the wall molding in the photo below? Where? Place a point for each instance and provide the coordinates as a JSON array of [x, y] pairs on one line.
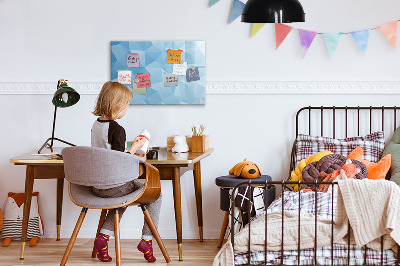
[[304, 87], [232, 87]]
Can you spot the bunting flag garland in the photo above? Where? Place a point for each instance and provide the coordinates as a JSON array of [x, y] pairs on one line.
[[361, 37], [237, 9], [256, 27], [332, 41], [281, 31], [389, 30], [306, 39], [213, 2]]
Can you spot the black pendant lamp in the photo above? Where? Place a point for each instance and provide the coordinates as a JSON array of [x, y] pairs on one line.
[[273, 11]]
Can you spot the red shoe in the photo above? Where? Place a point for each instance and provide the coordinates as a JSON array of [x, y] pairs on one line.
[[146, 247], [101, 245]]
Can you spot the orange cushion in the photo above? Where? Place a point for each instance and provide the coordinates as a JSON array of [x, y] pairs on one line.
[[375, 170]]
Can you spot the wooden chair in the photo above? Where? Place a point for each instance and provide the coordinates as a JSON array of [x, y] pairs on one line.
[[85, 167]]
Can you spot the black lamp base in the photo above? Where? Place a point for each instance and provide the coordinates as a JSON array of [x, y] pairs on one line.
[[46, 144]]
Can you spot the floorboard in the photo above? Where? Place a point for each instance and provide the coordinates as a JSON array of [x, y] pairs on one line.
[[49, 252]]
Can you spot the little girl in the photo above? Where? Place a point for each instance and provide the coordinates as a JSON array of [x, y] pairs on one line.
[[112, 103]]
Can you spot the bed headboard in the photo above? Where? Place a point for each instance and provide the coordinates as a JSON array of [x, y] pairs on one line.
[[344, 118], [344, 121]]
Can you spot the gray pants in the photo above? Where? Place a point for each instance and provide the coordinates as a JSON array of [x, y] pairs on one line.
[[154, 208]]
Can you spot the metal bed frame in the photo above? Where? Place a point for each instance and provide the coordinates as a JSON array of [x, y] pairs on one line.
[[283, 184]]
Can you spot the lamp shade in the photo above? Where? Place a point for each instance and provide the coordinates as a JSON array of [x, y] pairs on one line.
[[65, 96], [273, 11]]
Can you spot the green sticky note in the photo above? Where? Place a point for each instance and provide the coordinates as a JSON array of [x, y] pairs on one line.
[[136, 90]]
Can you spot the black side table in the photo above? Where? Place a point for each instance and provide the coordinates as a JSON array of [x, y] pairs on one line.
[[226, 183]]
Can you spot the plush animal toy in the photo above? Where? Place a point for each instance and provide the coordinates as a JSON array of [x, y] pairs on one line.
[[13, 215], [245, 169], [180, 144]]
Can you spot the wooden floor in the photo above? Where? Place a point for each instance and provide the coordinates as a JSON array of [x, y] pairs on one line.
[[50, 252]]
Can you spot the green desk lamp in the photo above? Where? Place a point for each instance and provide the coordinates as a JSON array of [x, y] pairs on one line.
[[65, 96]]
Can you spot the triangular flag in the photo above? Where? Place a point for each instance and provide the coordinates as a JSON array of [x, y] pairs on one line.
[[237, 9], [390, 32], [213, 2], [256, 28], [361, 37], [306, 39], [332, 41], [281, 31]]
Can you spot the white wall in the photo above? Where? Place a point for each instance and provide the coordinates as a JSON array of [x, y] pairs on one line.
[[42, 41]]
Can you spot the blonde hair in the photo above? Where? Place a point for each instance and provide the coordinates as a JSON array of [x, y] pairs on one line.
[[112, 99]]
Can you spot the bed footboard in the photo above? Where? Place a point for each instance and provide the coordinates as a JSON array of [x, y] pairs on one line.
[[310, 254]]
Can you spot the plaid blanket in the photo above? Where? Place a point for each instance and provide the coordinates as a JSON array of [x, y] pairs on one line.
[[340, 254], [306, 201], [323, 205]]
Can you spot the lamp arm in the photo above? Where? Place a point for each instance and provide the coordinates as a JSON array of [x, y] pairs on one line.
[[54, 118], [54, 126]]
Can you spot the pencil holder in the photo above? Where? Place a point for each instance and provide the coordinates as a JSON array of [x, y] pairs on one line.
[[200, 143]]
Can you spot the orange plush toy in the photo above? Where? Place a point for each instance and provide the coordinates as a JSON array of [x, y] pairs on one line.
[[375, 170], [13, 214], [245, 169]]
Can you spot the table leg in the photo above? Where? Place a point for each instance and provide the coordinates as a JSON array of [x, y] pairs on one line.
[[223, 229], [199, 204], [176, 183], [60, 190], [27, 206]]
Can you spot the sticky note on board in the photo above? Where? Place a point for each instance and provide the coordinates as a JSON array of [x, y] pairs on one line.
[[133, 60], [144, 80], [136, 90], [180, 69], [192, 74], [174, 56], [170, 80], [125, 76]]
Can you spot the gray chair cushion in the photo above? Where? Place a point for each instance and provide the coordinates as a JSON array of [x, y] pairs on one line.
[[99, 167], [84, 196]]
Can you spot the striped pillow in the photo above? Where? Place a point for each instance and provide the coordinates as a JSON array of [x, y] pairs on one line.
[[372, 145]]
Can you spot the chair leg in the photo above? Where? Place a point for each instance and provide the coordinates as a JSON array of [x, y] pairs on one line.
[[223, 229], [73, 237], [154, 230], [117, 239], [101, 222]]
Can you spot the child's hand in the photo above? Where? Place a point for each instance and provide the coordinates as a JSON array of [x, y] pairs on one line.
[[143, 155], [137, 144]]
